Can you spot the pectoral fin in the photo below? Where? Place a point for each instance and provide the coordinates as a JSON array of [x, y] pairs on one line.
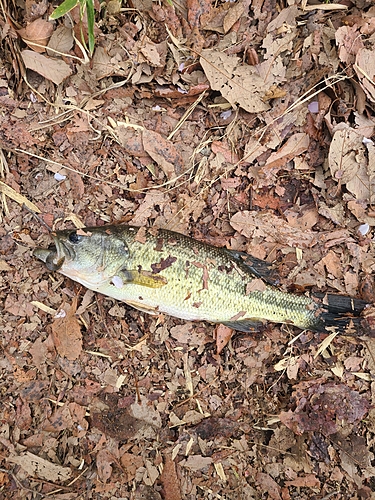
[[142, 278]]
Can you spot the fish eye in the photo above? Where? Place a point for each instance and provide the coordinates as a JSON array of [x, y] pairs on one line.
[[74, 237]]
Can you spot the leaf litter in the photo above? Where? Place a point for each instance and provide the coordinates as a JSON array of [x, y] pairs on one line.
[[245, 125]]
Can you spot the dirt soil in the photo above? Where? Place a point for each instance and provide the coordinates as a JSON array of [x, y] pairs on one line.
[[243, 124]]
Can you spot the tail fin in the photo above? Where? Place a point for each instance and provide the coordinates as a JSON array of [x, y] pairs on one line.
[[341, 313]]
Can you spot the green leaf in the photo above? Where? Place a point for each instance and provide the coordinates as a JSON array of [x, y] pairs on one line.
[[90, 24], [63, 9], [87, 5]]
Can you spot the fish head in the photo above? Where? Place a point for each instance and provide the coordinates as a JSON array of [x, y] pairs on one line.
[[91, 256]]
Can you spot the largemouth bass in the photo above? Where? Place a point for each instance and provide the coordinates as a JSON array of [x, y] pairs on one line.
[[160, 271]]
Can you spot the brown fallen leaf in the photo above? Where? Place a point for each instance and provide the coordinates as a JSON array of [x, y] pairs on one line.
[[223, 335], [365, 69], [39, 467], [104, 461], [170, 480], [38, 32], [154, 53], [350, 42], [269, 485], [61, 41], [238, 84], [55, 70], [163, 152], [348, 163], [294, 146], [307, 481], [255, 285], [66, 332], [196, 462], [272, 228], [131, 463]]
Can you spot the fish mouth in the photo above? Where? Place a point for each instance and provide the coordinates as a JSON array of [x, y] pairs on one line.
[[54, 256], [59, 252]]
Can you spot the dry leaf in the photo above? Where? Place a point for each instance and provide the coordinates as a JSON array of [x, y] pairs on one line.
[[104, 459], [348, 164], [365, 68], [350, 42], [237, 83], [294, 146], [39, 467], [163, 152], [256, 285], [38, 32], [272, 229], [267, 484], [196, 462], [307, 481], [103, 65], [145, 411], [154, 53], [54, 70], [233, 15], [67, 334], [223, 335], [170, 480], [61, 41]]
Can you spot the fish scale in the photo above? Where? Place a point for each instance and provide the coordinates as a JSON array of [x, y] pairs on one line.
[[160, 271]]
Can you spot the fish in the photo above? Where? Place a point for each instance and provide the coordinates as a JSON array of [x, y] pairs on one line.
[[159, 271]]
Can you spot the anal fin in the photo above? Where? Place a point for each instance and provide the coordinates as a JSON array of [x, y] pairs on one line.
[[244, 325]]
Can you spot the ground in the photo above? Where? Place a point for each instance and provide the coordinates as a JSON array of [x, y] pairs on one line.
[[246, 125]]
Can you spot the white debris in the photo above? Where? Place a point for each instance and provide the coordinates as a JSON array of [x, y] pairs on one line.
[[59, 177], [364, 229], [313, 107], [117, 281]]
